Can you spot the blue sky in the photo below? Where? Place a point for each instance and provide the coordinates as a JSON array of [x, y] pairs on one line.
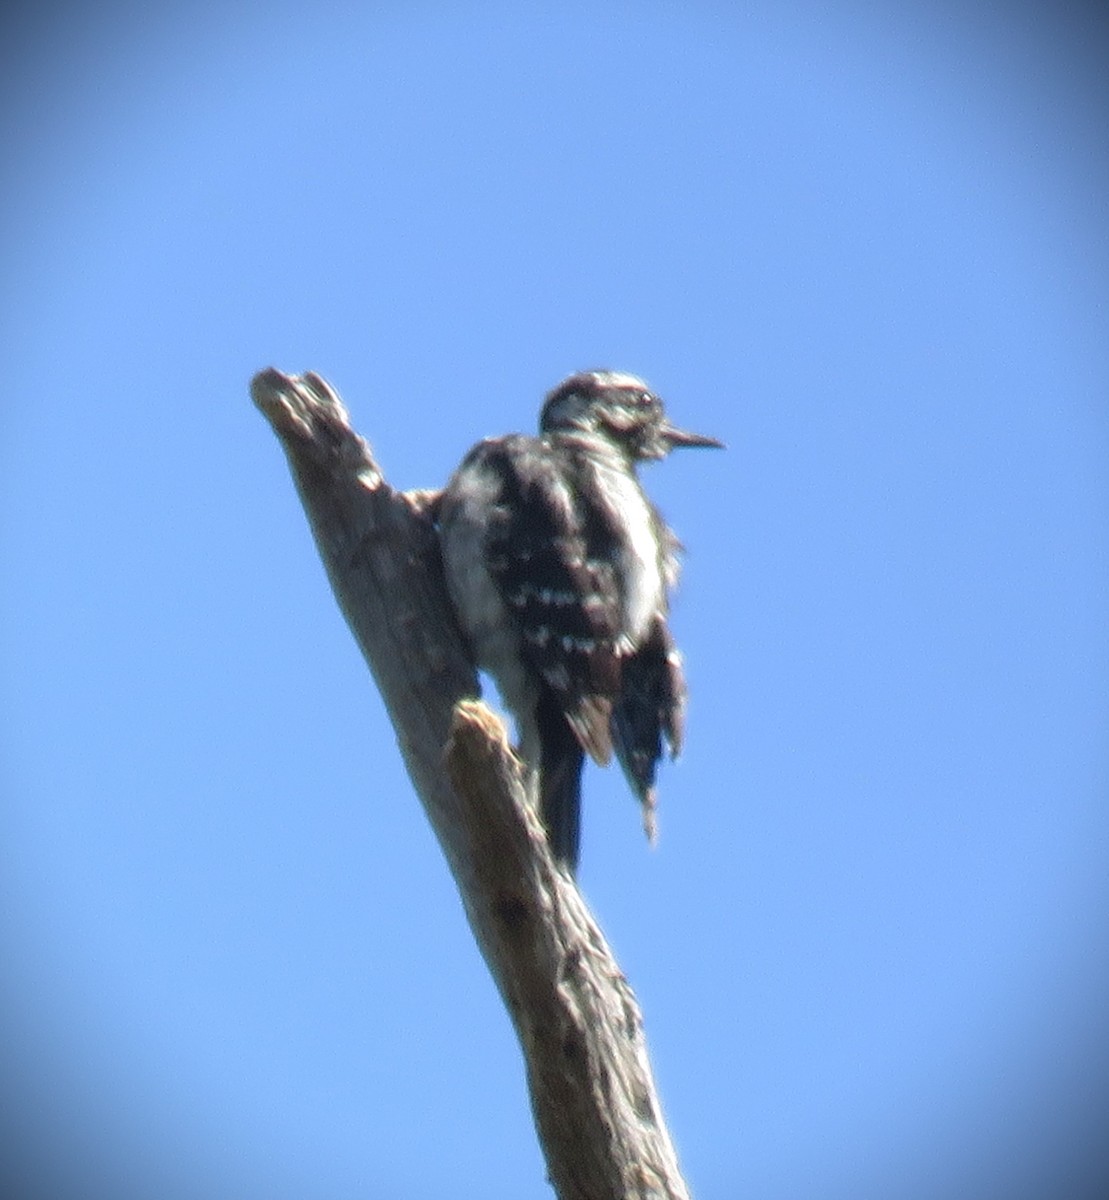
[[868, 247]]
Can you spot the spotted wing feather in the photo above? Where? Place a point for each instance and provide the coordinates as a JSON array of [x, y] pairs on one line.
[[548, 559]]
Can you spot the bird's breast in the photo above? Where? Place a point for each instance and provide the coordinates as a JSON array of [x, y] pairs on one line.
[[643, 588]]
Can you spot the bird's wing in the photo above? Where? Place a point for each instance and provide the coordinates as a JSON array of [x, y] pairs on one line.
[[650, 710], [547, 559]]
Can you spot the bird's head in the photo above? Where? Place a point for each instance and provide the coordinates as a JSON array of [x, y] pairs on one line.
[[619, 407]]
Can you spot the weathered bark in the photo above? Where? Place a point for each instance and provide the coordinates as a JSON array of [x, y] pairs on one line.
[[592, 1092]]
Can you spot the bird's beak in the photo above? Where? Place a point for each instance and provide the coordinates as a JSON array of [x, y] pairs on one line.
[[674, 437]]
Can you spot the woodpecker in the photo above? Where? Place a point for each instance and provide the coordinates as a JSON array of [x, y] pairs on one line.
[[559, 568]]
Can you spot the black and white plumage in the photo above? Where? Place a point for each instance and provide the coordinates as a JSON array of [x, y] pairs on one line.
[[559, 568]]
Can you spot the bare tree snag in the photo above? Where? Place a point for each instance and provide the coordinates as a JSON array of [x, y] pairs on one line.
[[592, 1092]]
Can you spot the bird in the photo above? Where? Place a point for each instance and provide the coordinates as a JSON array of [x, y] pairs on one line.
[[559, 569]]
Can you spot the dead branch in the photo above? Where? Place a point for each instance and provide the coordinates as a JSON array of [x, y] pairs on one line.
[[592, 1092]]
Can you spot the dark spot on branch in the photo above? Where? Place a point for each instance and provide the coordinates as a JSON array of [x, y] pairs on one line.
[[511, 910], [571, 1048]]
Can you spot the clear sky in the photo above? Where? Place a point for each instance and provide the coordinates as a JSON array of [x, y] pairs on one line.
[[866, 245]]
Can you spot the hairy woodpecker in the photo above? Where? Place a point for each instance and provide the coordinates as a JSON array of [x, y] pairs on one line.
[[559, 568]]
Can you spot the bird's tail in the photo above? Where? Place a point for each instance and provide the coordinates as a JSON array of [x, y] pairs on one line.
[[560, 766]]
